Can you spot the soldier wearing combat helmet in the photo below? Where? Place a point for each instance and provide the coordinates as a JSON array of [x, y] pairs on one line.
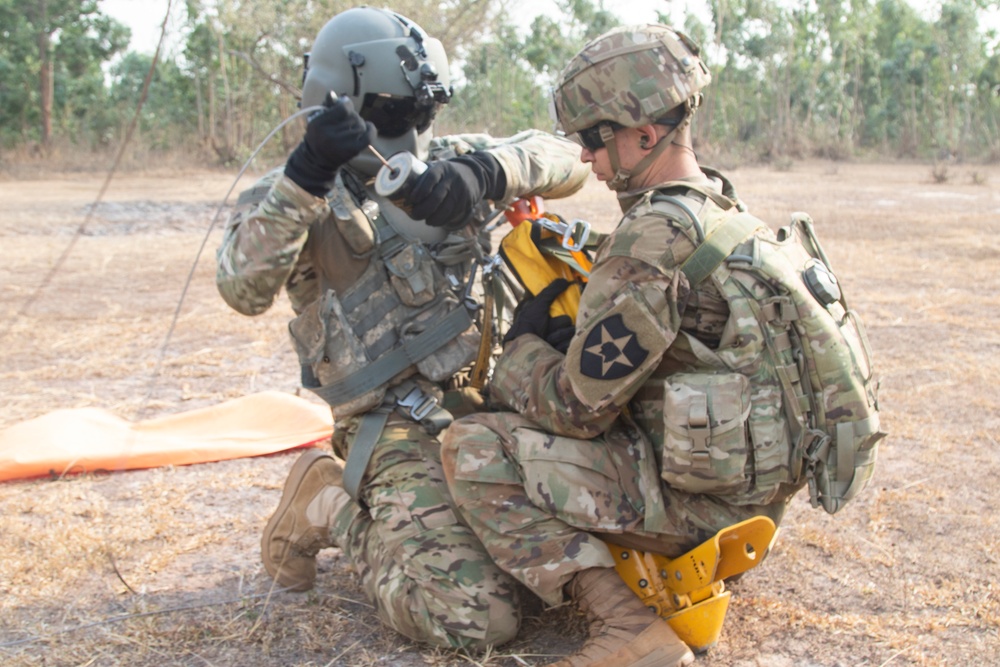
[[665, 78], [381, 326], [588, 452]]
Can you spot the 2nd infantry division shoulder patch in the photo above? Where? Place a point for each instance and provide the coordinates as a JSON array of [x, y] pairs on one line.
[[611, 350]]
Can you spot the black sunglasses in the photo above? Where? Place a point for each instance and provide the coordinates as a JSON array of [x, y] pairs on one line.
[[591, 137]]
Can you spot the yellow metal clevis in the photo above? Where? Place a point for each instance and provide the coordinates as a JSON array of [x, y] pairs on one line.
[[689, 591]]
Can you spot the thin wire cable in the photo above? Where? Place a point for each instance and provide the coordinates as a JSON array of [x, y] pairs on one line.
[[201, 249]]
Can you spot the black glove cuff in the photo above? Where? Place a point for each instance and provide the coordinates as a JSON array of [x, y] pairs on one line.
[[491, 176], [303, 168]]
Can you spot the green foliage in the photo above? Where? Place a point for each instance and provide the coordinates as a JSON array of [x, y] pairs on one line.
[[839, 77], [507, 76], [500, 95], [169, 115], [819, 77], [553, 42], [69, 38]]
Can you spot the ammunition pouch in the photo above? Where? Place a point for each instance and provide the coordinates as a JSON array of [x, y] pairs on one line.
[[705, 447]]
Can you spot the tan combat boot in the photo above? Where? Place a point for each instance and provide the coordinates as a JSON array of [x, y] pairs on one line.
[[623, 632], [300, 527]]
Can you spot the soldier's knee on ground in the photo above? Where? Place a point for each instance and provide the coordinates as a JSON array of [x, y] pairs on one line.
[[479, 626], [428, 574], [442, 588]]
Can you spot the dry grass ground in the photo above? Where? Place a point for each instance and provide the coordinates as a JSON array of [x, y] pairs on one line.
[[161, 567]]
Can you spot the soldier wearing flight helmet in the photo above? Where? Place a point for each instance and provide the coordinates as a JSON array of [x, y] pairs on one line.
[[380, 326]]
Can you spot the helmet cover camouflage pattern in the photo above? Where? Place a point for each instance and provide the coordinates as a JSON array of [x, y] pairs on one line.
[[631, 75]]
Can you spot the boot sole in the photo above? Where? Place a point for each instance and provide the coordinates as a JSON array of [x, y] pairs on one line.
[[295, 476]]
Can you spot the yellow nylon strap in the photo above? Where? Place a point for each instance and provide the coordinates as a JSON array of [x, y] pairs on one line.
[[482, 366]]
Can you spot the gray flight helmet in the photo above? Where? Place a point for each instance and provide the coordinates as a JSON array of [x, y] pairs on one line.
[[396, 76]]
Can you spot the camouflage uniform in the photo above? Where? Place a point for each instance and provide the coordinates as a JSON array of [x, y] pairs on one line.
[[427, 574], [581, 459]]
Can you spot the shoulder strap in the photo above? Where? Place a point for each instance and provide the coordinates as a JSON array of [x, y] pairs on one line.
[[390, 364], [719, 244], [721, 200], [406, 398]]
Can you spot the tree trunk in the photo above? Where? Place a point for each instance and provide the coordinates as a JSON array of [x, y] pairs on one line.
[[45, 85], [289, 133], [199, 107], [228, 129], [701, 132], [211, 110]]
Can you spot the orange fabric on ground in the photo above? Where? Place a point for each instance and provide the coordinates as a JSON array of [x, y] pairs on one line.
[[90, 439]]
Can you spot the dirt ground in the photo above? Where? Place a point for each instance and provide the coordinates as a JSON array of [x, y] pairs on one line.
[[161, 567]]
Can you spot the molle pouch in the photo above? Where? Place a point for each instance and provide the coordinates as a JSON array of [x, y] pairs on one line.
[[451, 321], [705, 447], [411, 272], [451, 357], [330, 353], [353, 222]]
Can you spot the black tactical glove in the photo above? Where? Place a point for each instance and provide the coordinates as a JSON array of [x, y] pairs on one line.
[[333, 136], [532, 317], [448, 192], [560, 332]]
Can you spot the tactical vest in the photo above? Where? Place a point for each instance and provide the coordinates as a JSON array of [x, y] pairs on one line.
[[790, 394], [400, 317]]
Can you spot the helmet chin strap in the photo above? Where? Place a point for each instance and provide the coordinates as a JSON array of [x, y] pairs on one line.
[[619, 182]]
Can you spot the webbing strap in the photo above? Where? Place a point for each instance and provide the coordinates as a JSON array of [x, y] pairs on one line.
[[721, 200], [571, 259], [477, 379], [410, 400], [720, 244], [847, 456], [369, 431], [388, 365]]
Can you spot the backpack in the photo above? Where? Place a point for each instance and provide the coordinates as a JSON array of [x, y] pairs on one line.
[[784, 297]]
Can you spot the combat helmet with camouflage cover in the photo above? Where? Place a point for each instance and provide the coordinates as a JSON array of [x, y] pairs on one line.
[[628, 77], [395, 75]]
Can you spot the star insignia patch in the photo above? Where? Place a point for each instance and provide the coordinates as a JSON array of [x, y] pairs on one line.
[[611, 350]]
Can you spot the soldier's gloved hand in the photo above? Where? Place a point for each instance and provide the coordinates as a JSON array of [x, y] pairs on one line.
[[333, 137], [560, 332], [448, 192], [532, 315]]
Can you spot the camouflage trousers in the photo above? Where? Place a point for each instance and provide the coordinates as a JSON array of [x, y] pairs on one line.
[[427, 574], [543, 505]]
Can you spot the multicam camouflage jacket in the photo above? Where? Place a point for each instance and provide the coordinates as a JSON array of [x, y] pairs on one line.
[[640, 326], [372, 306]]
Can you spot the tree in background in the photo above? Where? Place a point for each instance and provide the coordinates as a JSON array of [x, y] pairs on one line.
[[246, 60], [507, 75], [51, 53], [167, 121], [833, 78]]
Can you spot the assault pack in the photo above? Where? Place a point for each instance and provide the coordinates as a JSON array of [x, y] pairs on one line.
[[807, 391], [802, 352], [796, 332]]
